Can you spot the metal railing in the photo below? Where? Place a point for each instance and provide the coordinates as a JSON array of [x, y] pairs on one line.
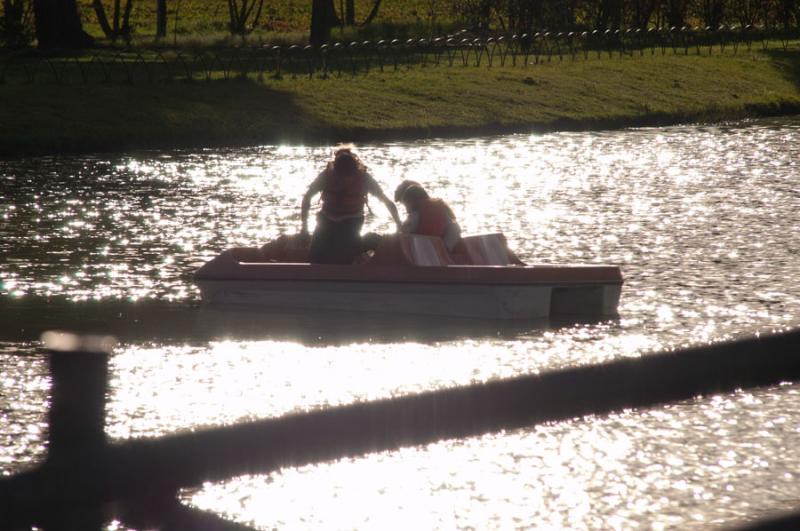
[[143, 65], [85, 474]]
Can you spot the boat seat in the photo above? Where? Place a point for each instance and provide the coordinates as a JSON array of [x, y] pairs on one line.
[[486, 249], [411, 249]]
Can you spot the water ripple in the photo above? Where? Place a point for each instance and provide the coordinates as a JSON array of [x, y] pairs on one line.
[[702, 220]]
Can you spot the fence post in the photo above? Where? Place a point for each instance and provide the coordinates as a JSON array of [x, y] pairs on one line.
[[79, 371], [77, 441]]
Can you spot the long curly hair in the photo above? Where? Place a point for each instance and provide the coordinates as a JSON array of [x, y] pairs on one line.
[[345, 162]]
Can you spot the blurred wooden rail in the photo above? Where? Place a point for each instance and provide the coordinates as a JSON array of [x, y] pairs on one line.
[[84, 473]]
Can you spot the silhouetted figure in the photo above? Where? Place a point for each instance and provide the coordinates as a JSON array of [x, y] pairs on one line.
[[426, 215], [344, 185]]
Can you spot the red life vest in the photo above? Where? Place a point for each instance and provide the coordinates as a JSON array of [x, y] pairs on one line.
[[344, 196], [434, 217]]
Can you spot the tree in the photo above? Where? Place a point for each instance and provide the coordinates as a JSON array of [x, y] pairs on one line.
[[744, 12], [610, 15], [15, 23], [374, 12], [676, 12], [713, 12], [240, 12], [117, 29], [350, 12], [788, 11], [323, 18], [161, 18], [58, 24], [642, 13]]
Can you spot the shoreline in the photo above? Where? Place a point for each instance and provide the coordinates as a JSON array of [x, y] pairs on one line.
[[360, 136], [568, 125]]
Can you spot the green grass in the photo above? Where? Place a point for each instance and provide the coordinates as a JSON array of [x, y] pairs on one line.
[[44, 118]]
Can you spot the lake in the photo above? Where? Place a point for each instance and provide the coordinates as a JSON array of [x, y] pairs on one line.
[[702, 219]]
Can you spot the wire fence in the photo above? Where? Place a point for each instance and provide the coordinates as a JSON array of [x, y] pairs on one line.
[[144, 65]]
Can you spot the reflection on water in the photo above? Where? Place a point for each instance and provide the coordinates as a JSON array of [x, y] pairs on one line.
[[159, 388], [24, 395], [698, 464], [155, 321], [701, 219]]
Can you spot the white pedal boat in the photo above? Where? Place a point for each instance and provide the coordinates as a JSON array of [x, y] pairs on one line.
[[412, 275]]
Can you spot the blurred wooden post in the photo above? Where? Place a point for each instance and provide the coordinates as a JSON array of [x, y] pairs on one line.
[[77, 442]]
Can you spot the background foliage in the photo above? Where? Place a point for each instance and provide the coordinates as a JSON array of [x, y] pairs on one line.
[[287, 21]]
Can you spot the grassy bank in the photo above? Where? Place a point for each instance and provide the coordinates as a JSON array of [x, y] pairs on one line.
[[431, 101]]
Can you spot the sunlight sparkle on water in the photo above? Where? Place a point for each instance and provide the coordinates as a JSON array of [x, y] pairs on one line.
[[629, 469], [701, 220]]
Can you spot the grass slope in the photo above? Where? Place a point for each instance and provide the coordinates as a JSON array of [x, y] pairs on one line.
[[43, 118]]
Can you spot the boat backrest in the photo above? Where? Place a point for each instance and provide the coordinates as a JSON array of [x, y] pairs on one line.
[[426, 250], [411, 249], [486, 249]]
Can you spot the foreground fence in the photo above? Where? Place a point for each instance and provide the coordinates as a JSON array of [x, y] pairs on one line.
[[141, 65], [87, 480]]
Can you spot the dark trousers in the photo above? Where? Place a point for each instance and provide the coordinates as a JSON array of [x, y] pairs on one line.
[[336, 242]]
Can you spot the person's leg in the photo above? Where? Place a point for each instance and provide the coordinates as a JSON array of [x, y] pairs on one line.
[[320, 248], [336, 242], [351, 245]]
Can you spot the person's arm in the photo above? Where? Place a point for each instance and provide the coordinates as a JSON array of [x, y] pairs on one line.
[[375, 189], [305, 204], [452, 235], [411, 223]]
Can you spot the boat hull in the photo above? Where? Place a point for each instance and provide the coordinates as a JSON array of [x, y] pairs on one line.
[[458, 300], [507, 302], [413, 275]]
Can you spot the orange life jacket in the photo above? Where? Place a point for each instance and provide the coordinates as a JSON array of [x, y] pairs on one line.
[[434, 216], [344, 196]]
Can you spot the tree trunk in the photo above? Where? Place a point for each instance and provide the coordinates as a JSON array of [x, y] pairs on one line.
[[161, 18], [12, 24], [610, 15], [323, 18], [58, 24], [116, 18], [232, 15], [788, 11], [350, 12], [713, 12], [676, 13], [126, 20], [373, 13], [643, 12], [100, 11], [242, 19], [256, 18]]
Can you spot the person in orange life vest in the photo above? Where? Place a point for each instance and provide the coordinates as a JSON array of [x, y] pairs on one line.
[[426, 215], [344, 185]]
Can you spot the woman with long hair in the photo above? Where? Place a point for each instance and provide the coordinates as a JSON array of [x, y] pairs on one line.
[[344, 185]]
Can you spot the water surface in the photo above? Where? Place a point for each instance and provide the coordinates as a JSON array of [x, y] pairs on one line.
[[702, 220]]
